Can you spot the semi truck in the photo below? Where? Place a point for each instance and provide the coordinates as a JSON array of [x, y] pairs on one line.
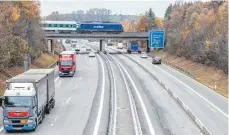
[[66, 63], [132, 47], [27, 98]]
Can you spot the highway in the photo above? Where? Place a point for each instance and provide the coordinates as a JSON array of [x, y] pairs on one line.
[[113, 95], [210, 108]]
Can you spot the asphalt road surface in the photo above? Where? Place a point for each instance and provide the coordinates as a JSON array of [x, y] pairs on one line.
[[208, 106]]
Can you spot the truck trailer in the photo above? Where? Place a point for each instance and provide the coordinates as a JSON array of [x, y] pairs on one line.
[[27, 98], [67, 63], [132, 47]]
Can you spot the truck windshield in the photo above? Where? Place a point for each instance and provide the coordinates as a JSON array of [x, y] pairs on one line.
[[18, 101], [65, 62]]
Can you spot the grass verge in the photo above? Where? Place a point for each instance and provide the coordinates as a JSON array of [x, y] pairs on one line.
[[41, 62]]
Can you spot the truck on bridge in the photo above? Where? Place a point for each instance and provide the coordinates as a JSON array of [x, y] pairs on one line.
[[66, 63], [27, 98]]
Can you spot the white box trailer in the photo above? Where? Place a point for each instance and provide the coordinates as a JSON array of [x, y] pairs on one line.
[[51, 85]]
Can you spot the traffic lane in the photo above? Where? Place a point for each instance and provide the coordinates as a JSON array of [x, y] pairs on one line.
[[124, 121], [114, 48], [148, 116], [76, 109], [215, 121], [99, 117], [73, 101], [218, 100], [172, 117]]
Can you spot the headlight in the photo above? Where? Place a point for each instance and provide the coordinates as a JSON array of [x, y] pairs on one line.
[[6, 122]]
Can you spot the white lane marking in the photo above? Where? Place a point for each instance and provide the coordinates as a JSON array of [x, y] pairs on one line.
[[57, 78], [54, 121], [95, 132], [1, 129], [134, 116], [194, 92], [76, 86], [152, 131], [115, 101], [68, 100]]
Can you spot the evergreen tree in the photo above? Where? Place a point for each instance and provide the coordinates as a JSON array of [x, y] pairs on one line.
[[151, 17], [168, 11]]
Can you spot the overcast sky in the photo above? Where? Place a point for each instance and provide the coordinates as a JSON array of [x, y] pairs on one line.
[[131, 7]]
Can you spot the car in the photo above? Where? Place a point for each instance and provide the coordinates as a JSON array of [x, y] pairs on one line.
[[88, 49], [156, 60], [91, 54], [77, 50], [109, 44], [144, 55]]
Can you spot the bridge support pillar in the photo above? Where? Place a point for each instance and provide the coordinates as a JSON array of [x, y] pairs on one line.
[[102, 45], [50, 45], [148, 48]]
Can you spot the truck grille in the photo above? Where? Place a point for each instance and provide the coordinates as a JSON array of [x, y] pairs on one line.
[[16, 121], [65, 69], [18, 126]]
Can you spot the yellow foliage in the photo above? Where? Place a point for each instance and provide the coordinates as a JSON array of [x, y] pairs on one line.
[[159, 22], [125, 25], [15, 14], [207, 44], [30, 8]]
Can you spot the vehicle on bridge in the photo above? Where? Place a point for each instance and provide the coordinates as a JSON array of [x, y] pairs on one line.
[[100, 27], [59, 26], [66, 63], [132, 47], [28, 97]]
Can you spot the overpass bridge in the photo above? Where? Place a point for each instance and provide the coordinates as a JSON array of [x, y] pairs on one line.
[[98, 36]]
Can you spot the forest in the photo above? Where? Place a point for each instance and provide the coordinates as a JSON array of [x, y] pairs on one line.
[[199, 31], [20, 33], [195, 30]]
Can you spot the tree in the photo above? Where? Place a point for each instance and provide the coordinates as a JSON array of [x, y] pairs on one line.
[[159, 23], [151, 18], [141, 24], [168, 11], [125, 25]]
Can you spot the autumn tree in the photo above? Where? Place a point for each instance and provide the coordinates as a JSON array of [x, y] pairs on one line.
[[198, 31], [141, 24], [125, 25], [20, 32]]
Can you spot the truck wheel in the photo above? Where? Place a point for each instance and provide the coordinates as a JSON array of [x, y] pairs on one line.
[[47, 110], [53, 103]]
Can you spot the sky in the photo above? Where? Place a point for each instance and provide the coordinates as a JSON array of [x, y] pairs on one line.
[[130, 7]]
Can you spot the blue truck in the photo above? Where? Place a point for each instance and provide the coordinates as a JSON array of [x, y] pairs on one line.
[[100, 27], [132, 47]]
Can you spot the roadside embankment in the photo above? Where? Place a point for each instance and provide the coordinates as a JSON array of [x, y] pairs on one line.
[[209, 76]]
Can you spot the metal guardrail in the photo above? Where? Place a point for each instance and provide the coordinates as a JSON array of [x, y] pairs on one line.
[[188, 73]]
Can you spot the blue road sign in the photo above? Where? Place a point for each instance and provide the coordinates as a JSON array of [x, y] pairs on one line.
[[156, 39]]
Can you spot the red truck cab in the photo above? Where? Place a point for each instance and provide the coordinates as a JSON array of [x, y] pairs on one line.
[[67, 63]]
